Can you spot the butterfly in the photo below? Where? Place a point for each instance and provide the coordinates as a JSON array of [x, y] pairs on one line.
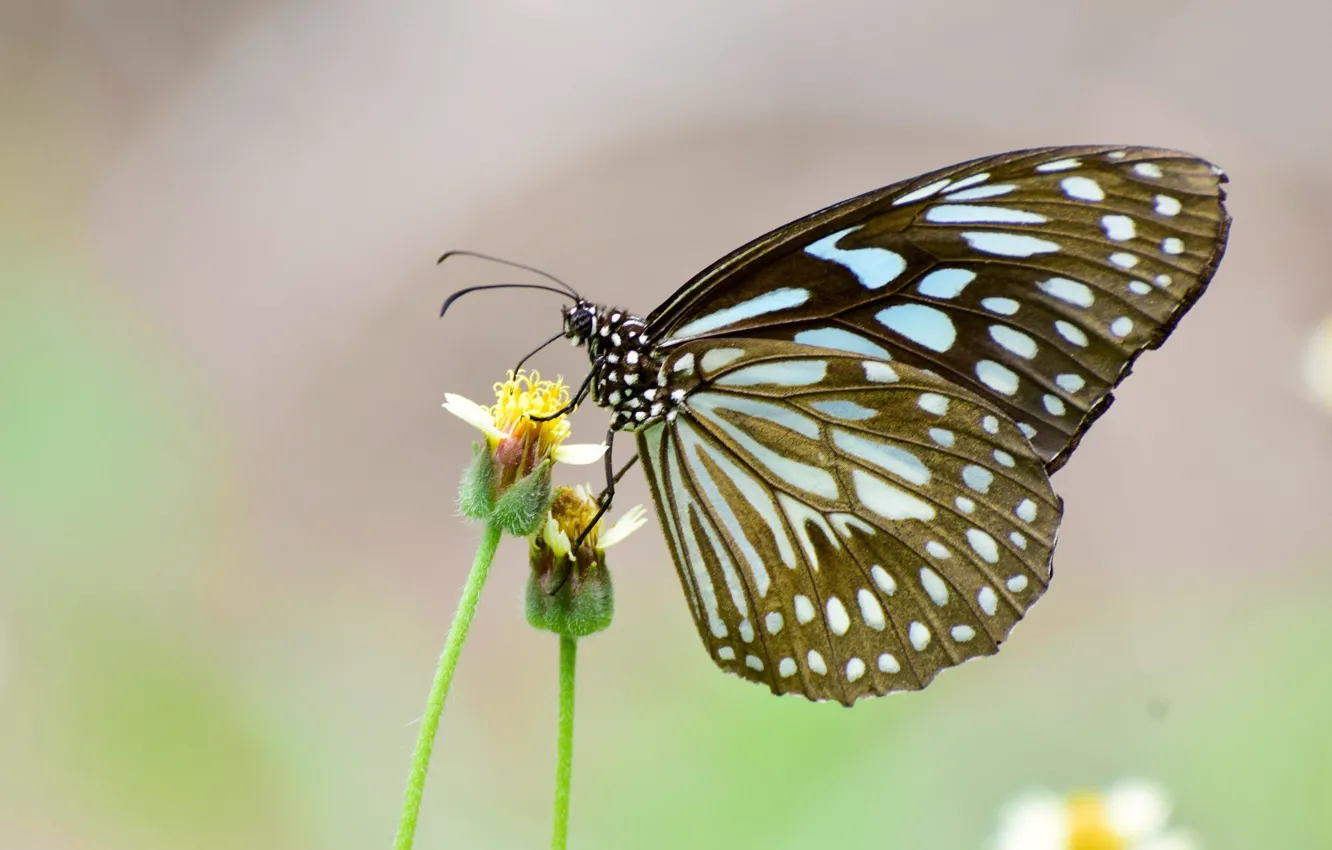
[[849, 424]]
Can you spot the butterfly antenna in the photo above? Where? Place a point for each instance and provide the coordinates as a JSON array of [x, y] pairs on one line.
[[461, 292], [529, 355], [511, 264]]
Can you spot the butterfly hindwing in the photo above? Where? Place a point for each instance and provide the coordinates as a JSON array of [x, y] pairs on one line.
[[1031, 278], [844, 526]]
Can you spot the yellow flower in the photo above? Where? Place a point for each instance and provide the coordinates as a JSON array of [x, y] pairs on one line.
[[569, 592], [508, 482], [511, 424], [1129, 815]]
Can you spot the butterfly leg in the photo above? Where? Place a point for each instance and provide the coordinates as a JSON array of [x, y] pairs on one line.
[[573, 403]]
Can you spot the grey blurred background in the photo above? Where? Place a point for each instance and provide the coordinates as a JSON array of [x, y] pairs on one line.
[[228, 542]]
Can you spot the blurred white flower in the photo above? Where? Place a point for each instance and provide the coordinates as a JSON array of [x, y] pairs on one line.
[[1129, 815], [1318, 364]]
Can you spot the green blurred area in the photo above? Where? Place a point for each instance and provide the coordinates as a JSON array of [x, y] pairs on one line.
[[145, 702]]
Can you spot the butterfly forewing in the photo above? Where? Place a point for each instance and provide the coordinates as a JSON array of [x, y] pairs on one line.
[[1032, 278], [844, 526]]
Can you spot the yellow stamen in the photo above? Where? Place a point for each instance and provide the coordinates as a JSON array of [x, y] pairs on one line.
[[525, 398], [1089, 826]]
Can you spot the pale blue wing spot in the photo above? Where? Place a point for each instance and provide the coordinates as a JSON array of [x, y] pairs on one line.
[[1008, 244], [769, 302], [873, 267], [848, 410], [969, 214], [842, 340], [945, 283], [926, 326]]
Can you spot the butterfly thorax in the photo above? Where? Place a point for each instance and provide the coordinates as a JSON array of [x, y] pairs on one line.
[[626, 370]]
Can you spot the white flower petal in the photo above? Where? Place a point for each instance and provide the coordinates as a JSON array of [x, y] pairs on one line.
[[473, 414], [579, 453], [1038, 821], [633, 519], [1136, 808], [1318, 364], [555, 539]]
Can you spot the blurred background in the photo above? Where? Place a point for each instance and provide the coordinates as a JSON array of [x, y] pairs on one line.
[[229, 548]]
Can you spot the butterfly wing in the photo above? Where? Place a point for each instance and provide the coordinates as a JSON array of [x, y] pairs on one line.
[[844, 526], [1033, 278]]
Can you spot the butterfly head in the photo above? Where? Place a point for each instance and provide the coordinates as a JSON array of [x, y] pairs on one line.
[[580, 321]]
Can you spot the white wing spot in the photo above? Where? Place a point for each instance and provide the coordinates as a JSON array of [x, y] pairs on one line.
[[938, 550], [1163, 280], [945, 283], [1074, 292], [919, 635], [983, 544], [1013, 340], [838, 620], [841, 409], [962, 634], [943, 437], [1121, 327], [990, 424], [1054, 404], [999, 378], [746, 631], [1168, 206], [1069, 382], [726, 653], [1172, 245], [1018, 539], [874, 267], [719, 358], [977, 478], [804, 609], [774, 622], [933, 403], [980, 192], [888, 664], [781, 373], [842, 340], [1026, 510], [965, 505], [753, 662], [1004, 458], [816, 664], [1008, 244], [879, 373], [988, 600], [1017, 583], [1116, 155], [1072, 333], [967, 181], [1027, 431], [870, 610], [883, 580], [1138, 287], [971, 214], [1002, 306], [926, 326], [888, 501], [786, 668], [934, 586], [1082, 189], [1060, 165], [684, 364], [1147, 169], [922, 192], [855, 668], [1119, 227], [1123, 260], [899, 462], [769, 302]]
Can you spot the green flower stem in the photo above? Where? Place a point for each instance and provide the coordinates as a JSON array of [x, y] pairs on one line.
[[564, 746], [448, 662]]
